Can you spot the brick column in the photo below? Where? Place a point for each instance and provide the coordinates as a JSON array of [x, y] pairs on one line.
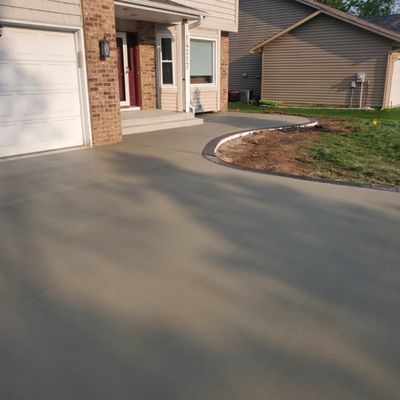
[[224, 74], [147, 56], [99, 21]]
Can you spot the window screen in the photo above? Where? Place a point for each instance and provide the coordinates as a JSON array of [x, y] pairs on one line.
[[201, 61]]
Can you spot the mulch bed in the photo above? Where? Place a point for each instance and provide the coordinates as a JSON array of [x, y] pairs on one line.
[[280, 151]]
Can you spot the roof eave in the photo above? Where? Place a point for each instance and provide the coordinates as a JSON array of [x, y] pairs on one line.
[[259, 47], [154, 5], [351, 19]]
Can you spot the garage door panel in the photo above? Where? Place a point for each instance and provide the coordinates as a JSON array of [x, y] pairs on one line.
[[33, 106], [37, 45], [59, 47], [39, 91], [40, 136], [21, 76], [19, 44], [61, 76], [27, 76]]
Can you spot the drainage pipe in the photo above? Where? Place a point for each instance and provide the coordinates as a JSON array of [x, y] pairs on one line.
[[186, 28]]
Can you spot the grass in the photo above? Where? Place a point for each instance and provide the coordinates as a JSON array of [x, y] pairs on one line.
[[389, 115], [369, 155]]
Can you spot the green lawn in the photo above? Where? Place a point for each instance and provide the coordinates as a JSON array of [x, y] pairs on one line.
[[390, 115], [370, 154]]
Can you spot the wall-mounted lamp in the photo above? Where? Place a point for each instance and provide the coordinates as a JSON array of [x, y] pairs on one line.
[[104, 48]]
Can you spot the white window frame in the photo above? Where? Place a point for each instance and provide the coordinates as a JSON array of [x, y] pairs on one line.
[[214, 63], [160, 60]]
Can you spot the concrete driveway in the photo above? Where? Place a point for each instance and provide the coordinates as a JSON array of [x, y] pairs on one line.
[[143, 271]]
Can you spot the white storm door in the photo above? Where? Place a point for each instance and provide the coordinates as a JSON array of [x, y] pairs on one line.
[[123, 69]]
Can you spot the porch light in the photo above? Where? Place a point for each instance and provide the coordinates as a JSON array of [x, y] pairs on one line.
[[104, 48]]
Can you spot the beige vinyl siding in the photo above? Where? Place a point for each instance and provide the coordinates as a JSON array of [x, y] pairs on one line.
[[258, 20], [222, 14], [56, 12], [204, 99], [316, 63], [169, 99]]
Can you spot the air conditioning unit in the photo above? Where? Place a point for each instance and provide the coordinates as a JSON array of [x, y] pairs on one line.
[[244, 96]]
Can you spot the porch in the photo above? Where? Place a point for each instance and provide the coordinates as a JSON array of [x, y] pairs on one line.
[[150, 49], [139, 121]]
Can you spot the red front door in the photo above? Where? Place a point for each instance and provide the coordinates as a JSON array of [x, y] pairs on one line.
[[134, 70]]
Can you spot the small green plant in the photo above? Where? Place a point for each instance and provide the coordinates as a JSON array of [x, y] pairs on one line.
[[270, 103], [255, 101]]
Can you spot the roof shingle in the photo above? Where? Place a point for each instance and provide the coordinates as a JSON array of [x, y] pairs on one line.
[[391, 22]]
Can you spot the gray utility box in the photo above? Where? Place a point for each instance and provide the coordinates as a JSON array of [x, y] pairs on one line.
[[244, 96]]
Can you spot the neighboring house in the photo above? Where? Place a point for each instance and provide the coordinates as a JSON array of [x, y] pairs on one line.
[[301, 52], [57, 92], [391, 22]]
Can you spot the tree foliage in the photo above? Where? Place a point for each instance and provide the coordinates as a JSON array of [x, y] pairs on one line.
[[364, 8]]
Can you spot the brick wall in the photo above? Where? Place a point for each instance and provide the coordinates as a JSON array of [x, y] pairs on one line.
[[224, 73], [147, 54], [99, 21]]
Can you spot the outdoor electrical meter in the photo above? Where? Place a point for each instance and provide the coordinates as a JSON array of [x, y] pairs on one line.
[[360, 77]]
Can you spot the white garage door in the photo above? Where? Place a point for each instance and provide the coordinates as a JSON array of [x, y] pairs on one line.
[[395, 92], [39, 91]]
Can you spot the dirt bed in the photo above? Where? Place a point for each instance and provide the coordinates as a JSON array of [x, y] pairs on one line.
[[279, 151]]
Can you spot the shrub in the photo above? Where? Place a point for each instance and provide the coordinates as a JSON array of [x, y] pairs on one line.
[[270, 103]]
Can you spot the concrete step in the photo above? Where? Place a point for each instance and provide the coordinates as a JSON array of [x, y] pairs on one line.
[[157, 125], [151, 117]]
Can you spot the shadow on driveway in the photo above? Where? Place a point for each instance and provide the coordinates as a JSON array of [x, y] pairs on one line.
[[147, 278]]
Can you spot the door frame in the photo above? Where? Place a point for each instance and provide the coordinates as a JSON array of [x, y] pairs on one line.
[[125, 67]]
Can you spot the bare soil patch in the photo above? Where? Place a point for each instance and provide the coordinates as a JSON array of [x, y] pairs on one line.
[[280, 151]]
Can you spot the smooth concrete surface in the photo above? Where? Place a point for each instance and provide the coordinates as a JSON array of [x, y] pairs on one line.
[[134, 122], [143, 271]]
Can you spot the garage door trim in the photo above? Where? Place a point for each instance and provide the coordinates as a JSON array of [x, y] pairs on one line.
[[81, 64]]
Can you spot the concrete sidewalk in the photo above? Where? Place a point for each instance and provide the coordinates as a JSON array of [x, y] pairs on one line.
[[143, 271]]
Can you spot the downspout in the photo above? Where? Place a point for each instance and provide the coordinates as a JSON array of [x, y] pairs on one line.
[[186, 62]]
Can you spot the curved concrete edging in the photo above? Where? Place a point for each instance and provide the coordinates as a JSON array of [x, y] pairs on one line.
[[209, 152], [212, 146], [238, 135]]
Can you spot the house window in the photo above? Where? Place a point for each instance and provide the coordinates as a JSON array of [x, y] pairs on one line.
[[202, 61], [167, 61]]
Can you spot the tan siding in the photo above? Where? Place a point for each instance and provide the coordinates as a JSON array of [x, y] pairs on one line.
[[204, 99], [65, 12], [258, 20], [169, 99], [316, 63], [222, 13]]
